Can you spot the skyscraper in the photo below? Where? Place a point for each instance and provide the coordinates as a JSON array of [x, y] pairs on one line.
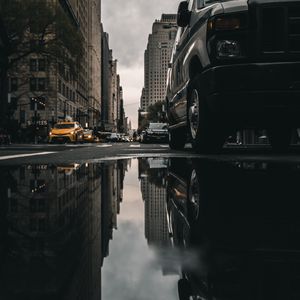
[[156, 60]]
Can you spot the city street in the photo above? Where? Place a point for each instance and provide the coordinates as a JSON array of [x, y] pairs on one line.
[[81, 153], [149, 150]]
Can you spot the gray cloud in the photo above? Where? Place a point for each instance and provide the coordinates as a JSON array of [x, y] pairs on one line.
[[129, 22]]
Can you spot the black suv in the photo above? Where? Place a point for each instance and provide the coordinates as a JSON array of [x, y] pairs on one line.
[[156, 132], [235, 65]]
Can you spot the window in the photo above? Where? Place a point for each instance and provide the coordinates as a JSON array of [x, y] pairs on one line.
[[42, 65], [13, 84], [37, 84], [41, 84], [33, 65], [22, 116], [33, 84], [200, 4]]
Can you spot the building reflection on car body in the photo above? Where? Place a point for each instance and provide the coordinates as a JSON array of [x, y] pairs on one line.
[[240, 222]]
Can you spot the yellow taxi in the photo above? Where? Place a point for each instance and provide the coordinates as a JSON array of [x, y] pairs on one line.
[[65, 132], [89, 136]]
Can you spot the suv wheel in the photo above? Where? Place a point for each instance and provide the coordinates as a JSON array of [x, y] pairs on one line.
[[177, 138], [206, 135], [280, 138]]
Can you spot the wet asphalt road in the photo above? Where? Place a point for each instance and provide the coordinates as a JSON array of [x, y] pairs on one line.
[[18, 154]]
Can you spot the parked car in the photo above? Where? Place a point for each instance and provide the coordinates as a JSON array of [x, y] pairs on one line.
[[156, 132], [235, 65], [66, 132]]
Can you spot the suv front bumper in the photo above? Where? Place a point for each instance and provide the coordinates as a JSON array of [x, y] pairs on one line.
[[254, 93]]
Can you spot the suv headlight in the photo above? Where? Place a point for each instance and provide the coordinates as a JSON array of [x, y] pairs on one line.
[[226, 36], [228, 49]]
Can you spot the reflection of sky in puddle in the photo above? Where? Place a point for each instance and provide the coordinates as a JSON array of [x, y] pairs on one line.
[[132, 270]]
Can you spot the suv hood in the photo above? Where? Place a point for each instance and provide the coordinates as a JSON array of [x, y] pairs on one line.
[[235, 6]]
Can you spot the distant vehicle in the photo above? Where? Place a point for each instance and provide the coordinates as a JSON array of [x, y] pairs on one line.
[[235, 65], [113, 138], [156, 132], [127, 139], [89, 136], [65, 132], [103, 135]]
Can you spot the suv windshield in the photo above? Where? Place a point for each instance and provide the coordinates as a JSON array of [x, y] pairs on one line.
[[64, 126], [158, 126]]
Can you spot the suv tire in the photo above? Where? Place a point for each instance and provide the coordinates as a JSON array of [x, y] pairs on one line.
[[207, 136], [177, 138]]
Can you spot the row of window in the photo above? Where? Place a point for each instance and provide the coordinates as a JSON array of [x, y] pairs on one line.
[[38, 65], [35, 84], [66, 91]]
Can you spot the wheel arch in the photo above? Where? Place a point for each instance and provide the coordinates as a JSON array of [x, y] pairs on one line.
[[195, 67]]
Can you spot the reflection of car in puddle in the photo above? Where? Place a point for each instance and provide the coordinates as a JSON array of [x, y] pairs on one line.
[[241, 221], [68, 169]]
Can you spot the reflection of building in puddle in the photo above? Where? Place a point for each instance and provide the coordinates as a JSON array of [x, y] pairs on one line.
[[113, 174], [54, 222], [152, 173]]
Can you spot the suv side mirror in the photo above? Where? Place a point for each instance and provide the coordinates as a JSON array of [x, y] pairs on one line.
[[183, 15]]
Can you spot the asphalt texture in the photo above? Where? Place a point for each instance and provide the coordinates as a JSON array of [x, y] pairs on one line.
[[80, 153]]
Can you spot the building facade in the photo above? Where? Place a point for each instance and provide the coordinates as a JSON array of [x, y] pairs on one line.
[[112, 106], [43, 92], [156, 59]]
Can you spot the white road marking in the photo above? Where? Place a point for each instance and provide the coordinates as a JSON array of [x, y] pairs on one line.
[[25, 155], [104, 146], [135, 146], [164, 146]]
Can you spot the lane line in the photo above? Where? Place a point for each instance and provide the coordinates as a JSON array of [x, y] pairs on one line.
[[135, 146], [25, 155], [164, 146], [104, 146]]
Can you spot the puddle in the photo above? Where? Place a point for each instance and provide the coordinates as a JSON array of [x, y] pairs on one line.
[[150, 228]]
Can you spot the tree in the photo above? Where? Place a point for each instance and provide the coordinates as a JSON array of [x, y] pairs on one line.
[[154, 114], [35, 26]]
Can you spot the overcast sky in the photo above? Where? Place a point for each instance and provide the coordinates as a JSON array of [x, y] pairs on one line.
[[129, 23]]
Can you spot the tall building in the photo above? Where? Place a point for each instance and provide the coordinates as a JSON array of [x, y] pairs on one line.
[[106, 116], [156, 59], [62, 93], [112, 106]]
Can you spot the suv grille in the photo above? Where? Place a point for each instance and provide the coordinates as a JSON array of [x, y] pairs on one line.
[[279, 28]]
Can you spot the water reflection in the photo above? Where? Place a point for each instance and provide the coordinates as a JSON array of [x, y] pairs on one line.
[[170, 229], [239, 222], [55, 229]]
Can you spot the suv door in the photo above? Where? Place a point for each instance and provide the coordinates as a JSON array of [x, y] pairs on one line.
[[178, 78]]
